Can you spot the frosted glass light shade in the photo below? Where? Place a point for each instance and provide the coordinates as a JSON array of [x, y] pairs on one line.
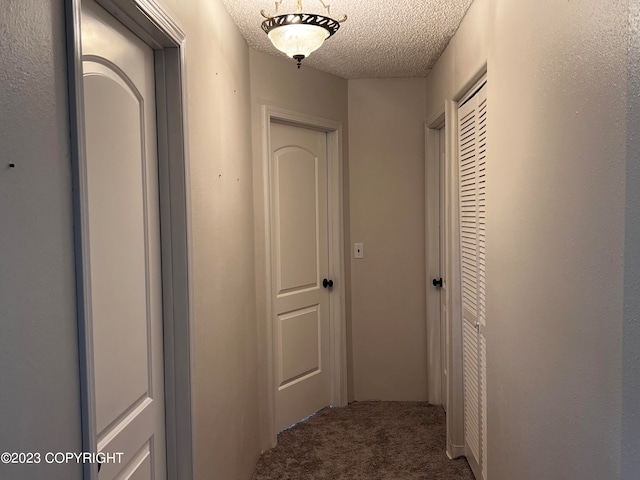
[[298, 39]]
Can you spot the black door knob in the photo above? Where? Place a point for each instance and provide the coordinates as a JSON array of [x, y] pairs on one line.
[[327, 283], [437, 282]]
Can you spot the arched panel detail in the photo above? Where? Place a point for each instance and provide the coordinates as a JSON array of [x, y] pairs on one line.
[[296, 176]]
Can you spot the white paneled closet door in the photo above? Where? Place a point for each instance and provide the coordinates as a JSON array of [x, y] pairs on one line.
[[472, 135]]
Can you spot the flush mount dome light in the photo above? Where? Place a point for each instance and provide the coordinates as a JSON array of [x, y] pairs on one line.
[[298, 34]]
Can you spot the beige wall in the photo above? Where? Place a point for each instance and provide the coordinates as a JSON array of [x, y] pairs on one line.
[[225, 364], [555, 228], [386, 151], [277, 82], [631, 327], [39, 376]]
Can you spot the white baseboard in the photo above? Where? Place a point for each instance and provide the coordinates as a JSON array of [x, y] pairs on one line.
[[455, 451]]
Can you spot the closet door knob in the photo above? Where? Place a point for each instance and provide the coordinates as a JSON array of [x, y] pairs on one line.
[[437, 282], [327, 283]]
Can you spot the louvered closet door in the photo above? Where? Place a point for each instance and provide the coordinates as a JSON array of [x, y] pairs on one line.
[[472, 174]]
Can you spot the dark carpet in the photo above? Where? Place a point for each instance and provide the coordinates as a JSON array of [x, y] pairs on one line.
[[365, 441]]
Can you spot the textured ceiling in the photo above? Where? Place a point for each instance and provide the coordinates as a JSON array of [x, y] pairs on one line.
[[380, 39]]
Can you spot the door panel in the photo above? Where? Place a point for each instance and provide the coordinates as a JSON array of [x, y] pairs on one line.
[[296, 176], [118, 246], [471, 389], [472, 215], [300, 344], [124, 246], [300, 323], [142, 468]]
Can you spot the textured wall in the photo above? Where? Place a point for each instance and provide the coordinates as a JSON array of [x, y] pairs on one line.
[[556, 241], [631, 328], [225, 364], [555, 229], [277, 82], [386, 148], [39, 393]]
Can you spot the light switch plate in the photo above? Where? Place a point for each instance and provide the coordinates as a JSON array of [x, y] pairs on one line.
[[358, 250]]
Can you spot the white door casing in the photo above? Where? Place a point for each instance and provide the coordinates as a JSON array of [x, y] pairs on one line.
[[434, 146], [158, 29], [443, 244], [300, 260], [124, 262], [472, 140]]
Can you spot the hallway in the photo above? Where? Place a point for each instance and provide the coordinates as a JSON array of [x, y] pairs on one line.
[[365, 441], [562, 236]]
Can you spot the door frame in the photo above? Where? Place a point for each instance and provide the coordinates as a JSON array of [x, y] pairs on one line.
[[452, 268], [468, 94], [337, 309], [450, 271], [433, 251], [455, 400], [154, 26]]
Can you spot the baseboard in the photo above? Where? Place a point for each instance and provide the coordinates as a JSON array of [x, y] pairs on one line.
[[455, 451]]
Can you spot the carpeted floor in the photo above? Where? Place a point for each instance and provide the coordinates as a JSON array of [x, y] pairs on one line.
[[365, 441]]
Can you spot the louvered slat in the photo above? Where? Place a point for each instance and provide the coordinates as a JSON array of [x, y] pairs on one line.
[[482, 318], [468, 212], [481, 167]]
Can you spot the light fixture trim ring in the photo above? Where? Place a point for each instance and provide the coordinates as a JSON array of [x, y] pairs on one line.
[[328, 23]]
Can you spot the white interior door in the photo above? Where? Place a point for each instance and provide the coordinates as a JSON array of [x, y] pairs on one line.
[[300, 264], [472, 124], [436, 265], [124, 246]]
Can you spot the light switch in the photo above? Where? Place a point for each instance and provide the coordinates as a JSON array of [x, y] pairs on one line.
[[358, 250]]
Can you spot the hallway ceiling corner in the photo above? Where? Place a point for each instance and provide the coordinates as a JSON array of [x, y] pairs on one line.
[[380, 39]]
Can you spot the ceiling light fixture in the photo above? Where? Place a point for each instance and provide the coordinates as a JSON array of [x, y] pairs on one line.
[[298, 34]]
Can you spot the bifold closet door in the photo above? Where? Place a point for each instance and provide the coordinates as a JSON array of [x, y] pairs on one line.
[[472, 117]]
